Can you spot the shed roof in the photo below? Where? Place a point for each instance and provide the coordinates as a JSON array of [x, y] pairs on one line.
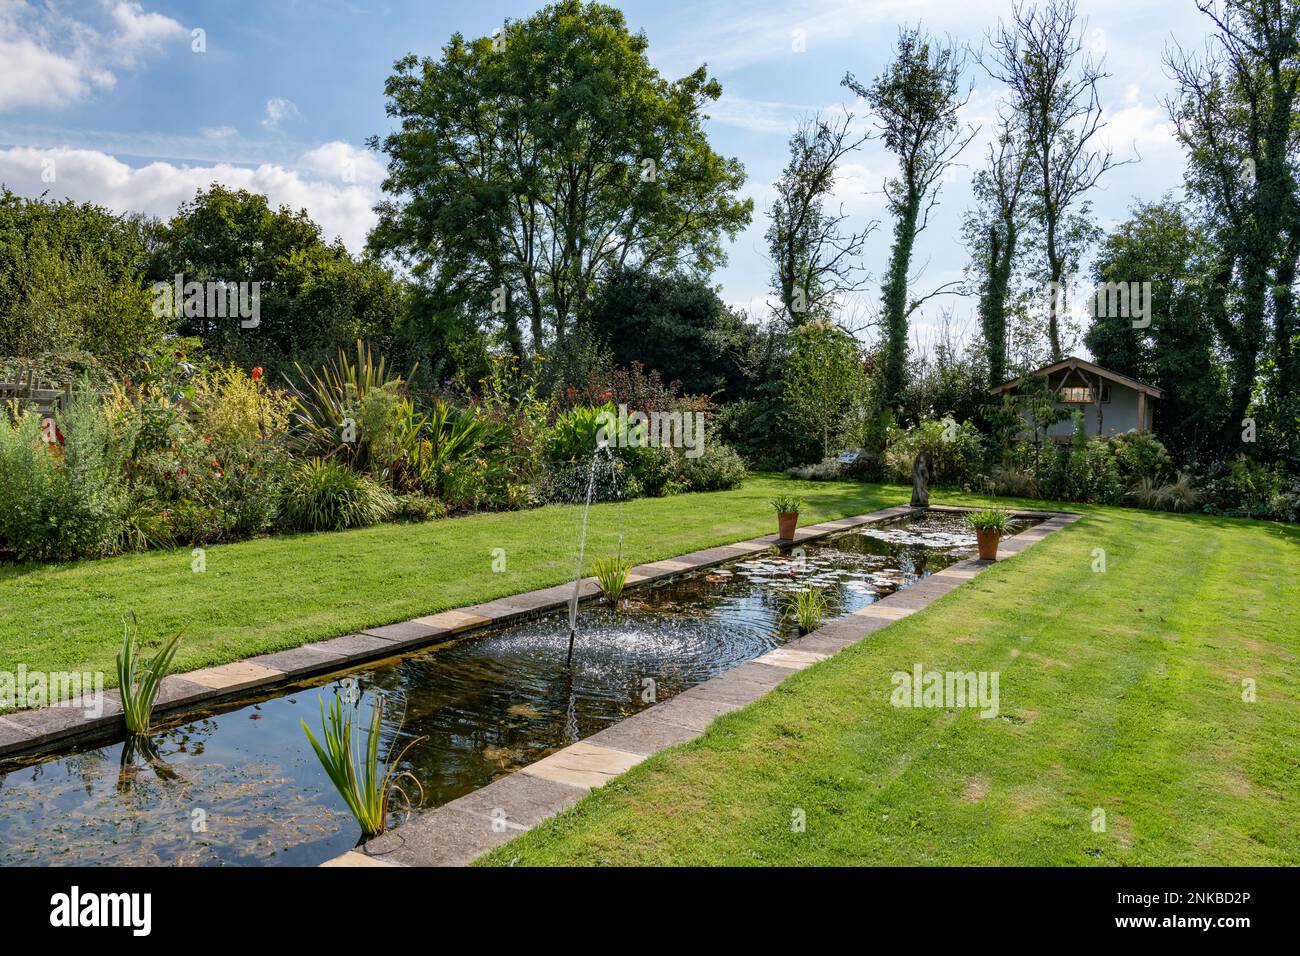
[[1072, 361]]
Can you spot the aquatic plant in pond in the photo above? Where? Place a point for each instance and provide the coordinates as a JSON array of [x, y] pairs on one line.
[[611, 575], [805, 608], [138, 678], [353, 765]]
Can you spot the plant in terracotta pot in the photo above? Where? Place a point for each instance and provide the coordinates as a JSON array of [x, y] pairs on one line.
[[787, 515], [989, 527]]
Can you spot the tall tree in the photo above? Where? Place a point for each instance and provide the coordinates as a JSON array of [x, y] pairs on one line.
[[993, 230], [822, 377], [1053, 89], [535, 161], [815, 255], [916, 100], [1235, 112], [314, 297], [1161, 243], [675, 324]]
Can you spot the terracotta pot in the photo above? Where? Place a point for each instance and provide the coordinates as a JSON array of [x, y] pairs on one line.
[[988, 541], [786, 522]]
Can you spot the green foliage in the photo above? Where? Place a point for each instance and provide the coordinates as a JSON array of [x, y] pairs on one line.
[[573, 83], [993, 519], [62, 502], [576, 434], [315, 298], [1163, 245], [325, 495], [805, 608], [718, 469], [1140, 455], [675, 324], [955, 450], [786, 504], [349, 409], [138, 679], [611, 575], [72, 279], [350, 756], [822, 378]]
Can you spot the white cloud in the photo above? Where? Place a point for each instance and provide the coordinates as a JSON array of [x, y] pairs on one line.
[[342, 208], [49, 60], [277, 110], [759, 116], [343, 162]]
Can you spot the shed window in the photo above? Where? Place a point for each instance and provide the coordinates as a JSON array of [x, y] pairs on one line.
[[1081, 395]]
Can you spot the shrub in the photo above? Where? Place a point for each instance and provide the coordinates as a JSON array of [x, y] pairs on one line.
[[955, 450], [1140, 455], [654, 471], [324, 495], [576, 432], [828, 469], [413, 506], [63, 502], [718, 469], [1010, 482]]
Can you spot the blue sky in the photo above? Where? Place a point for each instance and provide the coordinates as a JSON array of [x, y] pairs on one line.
[[106, 100]]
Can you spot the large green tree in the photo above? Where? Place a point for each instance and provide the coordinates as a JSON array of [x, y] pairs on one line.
[[72, 279], [1236, 115], [676, 324], [915, 100], [527, 165], [315, 297], [1163, 245]]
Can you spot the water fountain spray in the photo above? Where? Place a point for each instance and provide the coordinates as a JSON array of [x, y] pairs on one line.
[[582, 546]]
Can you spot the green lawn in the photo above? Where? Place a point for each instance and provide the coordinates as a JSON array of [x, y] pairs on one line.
[[1119, 690], [275, 593]]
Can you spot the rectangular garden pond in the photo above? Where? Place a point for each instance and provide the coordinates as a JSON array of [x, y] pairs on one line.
[[240, 785]]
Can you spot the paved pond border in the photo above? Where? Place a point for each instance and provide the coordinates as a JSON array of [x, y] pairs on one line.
[[460, 831]]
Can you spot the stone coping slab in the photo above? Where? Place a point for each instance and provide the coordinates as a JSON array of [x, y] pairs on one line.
[[34, 731], [458, 837]]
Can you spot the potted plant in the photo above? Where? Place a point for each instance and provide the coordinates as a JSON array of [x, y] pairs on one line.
[[787, 515], [989, 527]]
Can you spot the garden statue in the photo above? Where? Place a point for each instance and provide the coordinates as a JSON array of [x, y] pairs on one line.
[[920, 480]]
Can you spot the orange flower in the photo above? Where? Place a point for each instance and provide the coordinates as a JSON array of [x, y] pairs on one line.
[[257, 373]]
